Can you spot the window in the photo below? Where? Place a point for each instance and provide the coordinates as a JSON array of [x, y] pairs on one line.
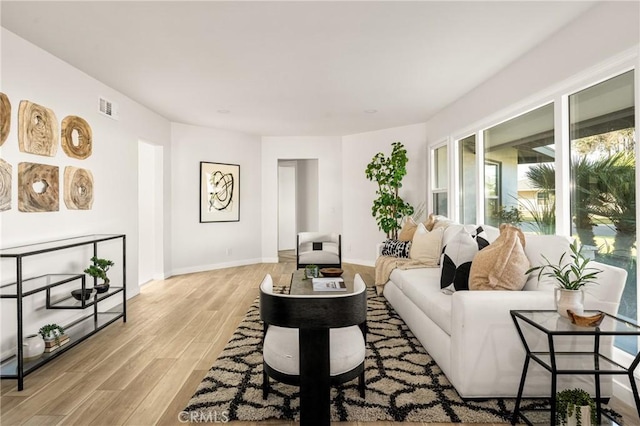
[[441, 181], [492, 185], [603, 190], [519, 172], [467, 162]]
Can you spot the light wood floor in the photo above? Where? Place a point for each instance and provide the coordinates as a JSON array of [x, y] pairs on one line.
[[145, 371]]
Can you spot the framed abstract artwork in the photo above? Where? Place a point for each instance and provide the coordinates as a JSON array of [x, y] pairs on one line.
[[219, 192]]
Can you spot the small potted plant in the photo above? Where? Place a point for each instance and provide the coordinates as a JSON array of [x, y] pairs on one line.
[[99, 269], [311, 271], [575, 407], [51, 332], [570, 277]]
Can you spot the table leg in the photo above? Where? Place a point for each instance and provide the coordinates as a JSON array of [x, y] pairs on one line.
[[596, 378], [516, 409]]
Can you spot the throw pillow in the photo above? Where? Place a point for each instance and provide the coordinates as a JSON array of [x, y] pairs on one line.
[[408, 229], [503, 264], [435, 220], [426, 246], [457, 257], [396, 248]]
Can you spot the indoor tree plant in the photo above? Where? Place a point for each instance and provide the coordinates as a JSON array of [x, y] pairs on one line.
[[99, 269], [389, 208], [570, 404], [570, 277]]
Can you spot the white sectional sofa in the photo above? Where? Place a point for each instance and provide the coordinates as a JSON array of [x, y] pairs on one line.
[[470, 334]]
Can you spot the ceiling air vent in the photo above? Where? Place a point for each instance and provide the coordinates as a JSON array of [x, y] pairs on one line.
[[108, 108]]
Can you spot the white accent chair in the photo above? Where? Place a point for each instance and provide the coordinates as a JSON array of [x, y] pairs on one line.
[[319, 248]]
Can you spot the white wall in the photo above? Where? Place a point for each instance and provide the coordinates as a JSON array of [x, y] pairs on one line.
[[199, 246], [30, 73], [308, 203], [329, 154], [361, 233]]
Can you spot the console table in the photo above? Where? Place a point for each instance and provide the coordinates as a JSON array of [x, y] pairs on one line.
[[16, 367], [574, 362]]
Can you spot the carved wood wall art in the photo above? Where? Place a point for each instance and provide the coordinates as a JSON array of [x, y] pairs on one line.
[[37, 129], [38, 188], [5, 185], [78, 188], [5, 117], [79, 147]]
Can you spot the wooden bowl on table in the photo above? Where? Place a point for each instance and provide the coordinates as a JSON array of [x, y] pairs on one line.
[[331, 272]]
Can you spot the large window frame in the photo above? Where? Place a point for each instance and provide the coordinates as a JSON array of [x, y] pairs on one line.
[[439, 189], [559, 96]]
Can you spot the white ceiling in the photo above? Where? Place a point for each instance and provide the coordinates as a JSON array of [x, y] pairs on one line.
[[290, 68]]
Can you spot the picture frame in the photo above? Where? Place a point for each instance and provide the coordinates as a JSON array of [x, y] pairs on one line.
[[219, 192]]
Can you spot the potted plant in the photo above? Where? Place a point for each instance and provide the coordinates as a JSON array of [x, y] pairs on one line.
[[99, 269], [570, 277], [389, 208], [311, 271], [51, 332], [575, 407]]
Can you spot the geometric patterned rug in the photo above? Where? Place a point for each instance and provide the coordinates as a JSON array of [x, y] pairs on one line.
[[403, 383]]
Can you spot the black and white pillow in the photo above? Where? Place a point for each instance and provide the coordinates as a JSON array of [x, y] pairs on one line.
[[457, 256], [396, 248]]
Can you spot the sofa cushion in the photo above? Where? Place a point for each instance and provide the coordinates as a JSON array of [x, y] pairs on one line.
[[426, 246], [396, 248], [408, 230], [421, 286], [457, 255], [502, 265], [552, 247]]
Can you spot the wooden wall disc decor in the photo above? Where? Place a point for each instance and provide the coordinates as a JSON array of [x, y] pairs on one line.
[[38, 188], [79, 146], [5, 185], [78, 188], [5, 117], [37, 129]]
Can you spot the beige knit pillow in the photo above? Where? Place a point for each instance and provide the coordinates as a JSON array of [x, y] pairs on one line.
[[427, 246], [408, 229], [436, 221], [501, 265]]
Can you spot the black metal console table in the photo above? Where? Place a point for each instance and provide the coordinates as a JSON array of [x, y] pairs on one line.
[[574, 362], [16, 367]]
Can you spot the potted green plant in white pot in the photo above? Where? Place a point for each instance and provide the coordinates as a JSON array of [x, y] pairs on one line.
[[571, 276], [575, 407], [51, 332]]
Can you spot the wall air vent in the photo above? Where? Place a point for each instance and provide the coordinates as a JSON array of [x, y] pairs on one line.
[[108, 108]]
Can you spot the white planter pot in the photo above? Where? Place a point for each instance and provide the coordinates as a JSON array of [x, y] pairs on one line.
[[569, 299], [585, 416], [32, 346]]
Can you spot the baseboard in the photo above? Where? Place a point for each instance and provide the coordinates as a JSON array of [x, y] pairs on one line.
[[203, 268], [359, 262]]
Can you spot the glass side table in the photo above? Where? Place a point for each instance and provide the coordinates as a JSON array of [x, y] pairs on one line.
[[582, 356]]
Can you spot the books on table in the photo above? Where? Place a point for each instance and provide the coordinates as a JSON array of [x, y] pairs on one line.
[[329, 284], [52, 345]]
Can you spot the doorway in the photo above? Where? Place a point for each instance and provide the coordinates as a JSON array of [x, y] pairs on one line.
[[298, 203], [150, 213]]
